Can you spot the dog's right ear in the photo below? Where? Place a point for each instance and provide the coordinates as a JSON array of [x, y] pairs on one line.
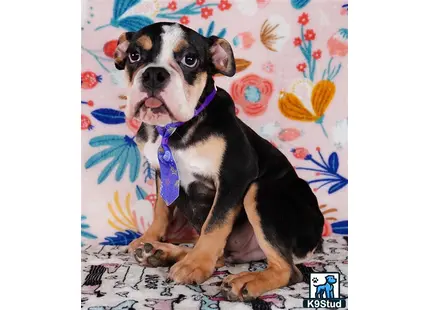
[[120, 55]]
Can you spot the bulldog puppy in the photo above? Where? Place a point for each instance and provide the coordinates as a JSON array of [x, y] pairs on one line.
[[236, 189]]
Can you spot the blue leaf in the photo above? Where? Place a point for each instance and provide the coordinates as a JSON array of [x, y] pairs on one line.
[[339, 185], [121, 6], [222, 33], [140, 193], [299, 4], [210, 29], [340, 227], [121, 238], [109, 116], [87, 235], [134, 160], [333, 162], [200, 31], [134, 22], [112, 140]]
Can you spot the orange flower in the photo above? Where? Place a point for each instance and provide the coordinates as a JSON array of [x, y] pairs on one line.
[[206, 12], [297, 41], [322, 94], [172, 6], [301, 67], [310, 35], [184, 20], [252, 93], [303, 19]]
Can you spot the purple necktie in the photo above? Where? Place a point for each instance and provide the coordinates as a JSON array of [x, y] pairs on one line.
[[169, 188]]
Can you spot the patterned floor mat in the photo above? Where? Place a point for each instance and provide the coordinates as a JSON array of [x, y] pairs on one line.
[[112, 280]]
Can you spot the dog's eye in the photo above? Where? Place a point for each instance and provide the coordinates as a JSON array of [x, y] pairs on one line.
[[189, 60], [134, 56]]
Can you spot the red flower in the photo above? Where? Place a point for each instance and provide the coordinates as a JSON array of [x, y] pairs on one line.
[[224, 5], [172, 6], [303, 19], [90, 103], [316, 54], [184, 20], [300, 152], [252, 93], [297, 41], [206, 12], [310, 35], [109, 48], [327, 230], [301, 67], [200, 2]]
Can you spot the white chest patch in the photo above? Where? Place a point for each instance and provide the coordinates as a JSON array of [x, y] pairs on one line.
[[204, 159]]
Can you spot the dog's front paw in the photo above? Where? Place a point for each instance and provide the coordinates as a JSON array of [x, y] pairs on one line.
[[193, 268]]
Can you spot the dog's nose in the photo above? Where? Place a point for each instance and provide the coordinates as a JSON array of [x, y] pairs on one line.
[[155, 78]]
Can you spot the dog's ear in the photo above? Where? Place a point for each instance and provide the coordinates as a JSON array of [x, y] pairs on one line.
[[222, 56], [120, 55]]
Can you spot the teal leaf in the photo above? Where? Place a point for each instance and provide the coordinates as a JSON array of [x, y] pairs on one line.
[[84, 233], [140, 193], [123, 152], [106, 140], [299, 4], [210, 29], [134, 22], [222, 33], [121, 6], [122, 164]]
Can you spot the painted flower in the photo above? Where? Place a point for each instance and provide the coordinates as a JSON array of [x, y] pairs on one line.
[[327, 230], [275, 32], [292, 107], [268, 67], [224, 5], [300, 152], [338, 43], [301, 67], [172, 6], [252, 93], [200, 2], [316, 54], [207, 12], [109, 48], [303, 19], [289, 134], [244, 40], [184, 20], [310, 34], [297, 41]]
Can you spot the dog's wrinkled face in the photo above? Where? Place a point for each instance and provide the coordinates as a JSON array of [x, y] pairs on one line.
[[167, 67]]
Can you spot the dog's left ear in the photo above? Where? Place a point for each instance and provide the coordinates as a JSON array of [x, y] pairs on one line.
[[222, 56], [121, 50]]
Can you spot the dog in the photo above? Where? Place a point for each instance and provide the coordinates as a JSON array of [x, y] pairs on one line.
[[235, 188], [326, 289]]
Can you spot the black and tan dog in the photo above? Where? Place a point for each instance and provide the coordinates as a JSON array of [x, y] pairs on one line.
[[240, 193]]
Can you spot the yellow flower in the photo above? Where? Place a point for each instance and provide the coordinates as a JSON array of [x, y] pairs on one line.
[[292, 108]]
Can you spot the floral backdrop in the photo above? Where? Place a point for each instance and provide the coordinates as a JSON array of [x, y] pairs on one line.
[[290, 87]]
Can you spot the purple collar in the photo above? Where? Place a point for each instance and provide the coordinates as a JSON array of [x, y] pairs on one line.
[[169, 188]]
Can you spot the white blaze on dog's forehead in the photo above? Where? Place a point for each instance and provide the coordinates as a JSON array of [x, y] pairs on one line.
[[170, 38]]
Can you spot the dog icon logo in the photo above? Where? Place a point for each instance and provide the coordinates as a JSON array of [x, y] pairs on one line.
[[324, 291]]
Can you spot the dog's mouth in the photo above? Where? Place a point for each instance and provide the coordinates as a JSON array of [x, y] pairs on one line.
[[154, 104]]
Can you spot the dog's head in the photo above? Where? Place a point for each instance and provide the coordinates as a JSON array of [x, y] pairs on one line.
[[167, 67], [330, 279]]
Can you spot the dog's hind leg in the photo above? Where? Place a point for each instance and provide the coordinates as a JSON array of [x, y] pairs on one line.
[[280, 270]]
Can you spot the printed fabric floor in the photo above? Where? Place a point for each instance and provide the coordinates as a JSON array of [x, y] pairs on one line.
[[112, 280]]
